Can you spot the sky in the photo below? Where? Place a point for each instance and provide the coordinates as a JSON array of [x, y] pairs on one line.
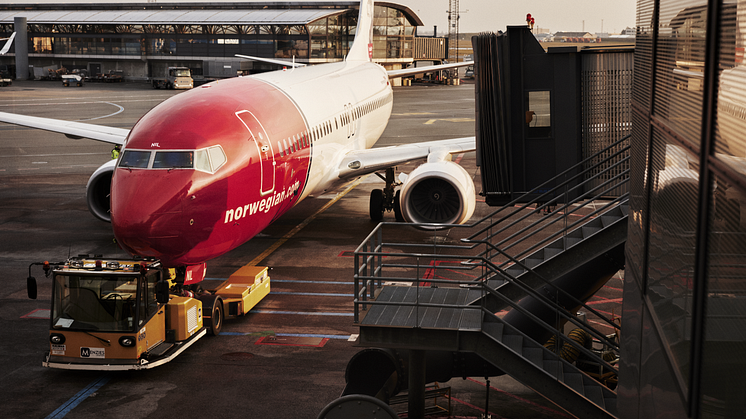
[[555, 15]]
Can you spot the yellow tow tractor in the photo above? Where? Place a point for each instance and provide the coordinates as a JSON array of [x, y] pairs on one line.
[[134, 314]]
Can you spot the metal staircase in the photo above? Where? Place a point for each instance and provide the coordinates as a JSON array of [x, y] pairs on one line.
[[502, 287]]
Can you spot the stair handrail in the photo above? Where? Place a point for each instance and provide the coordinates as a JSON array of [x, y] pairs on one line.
[[548, 302], [544, 223], [582, 163], [495, 271]]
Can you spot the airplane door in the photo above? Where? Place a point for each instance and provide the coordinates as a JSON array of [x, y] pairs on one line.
[[259, 137]]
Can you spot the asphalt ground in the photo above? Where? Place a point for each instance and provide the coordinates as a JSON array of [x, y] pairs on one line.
[[308, 314]]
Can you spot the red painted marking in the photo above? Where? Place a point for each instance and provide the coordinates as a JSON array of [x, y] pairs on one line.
[[287, 341], [604, 301], [43, 313]]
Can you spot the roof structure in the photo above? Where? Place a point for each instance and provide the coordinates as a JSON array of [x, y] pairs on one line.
[[172, 16]]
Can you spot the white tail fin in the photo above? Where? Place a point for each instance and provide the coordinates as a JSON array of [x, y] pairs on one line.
[[6, 48], [362, 47]]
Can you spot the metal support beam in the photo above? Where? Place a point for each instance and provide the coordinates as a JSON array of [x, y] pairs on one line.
[[19, 25], [416, 406]]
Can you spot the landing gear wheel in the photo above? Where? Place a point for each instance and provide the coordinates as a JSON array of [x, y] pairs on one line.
[[212, 306], [376, 204], [397, 207]]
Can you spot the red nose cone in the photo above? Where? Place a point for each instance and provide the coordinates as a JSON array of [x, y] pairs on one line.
[[147, 213]]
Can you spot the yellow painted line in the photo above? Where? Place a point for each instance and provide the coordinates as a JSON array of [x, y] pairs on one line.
[[432, 121], [300, 226]]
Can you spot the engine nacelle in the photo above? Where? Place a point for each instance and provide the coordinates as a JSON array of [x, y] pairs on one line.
[[98, 191], [439, 192]]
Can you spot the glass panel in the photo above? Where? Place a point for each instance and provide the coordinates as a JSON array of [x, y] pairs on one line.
[[538, 114], [680, 66], [103, 303], [135, 158], [173, 160], [723, 364], [217, 156], [202, 161], [672, 241]]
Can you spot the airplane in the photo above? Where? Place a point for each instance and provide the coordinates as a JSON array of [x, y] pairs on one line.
[[208, 169], [8, 43]]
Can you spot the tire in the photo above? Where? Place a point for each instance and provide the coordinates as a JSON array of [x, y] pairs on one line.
[[376, 204], [213, 305]]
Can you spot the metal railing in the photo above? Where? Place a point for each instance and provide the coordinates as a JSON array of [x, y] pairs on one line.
[[470, 255]]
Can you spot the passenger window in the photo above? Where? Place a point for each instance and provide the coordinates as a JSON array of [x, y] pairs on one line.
[[135, 158]]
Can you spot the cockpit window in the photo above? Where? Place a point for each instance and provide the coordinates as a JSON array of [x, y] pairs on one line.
[[217, 157], [135, 158], [208, 159], [173, 160]]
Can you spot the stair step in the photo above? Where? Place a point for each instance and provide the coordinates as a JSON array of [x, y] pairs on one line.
[[550, 252], [533, 261], [594, 392], [589, 230], [515, 271], [572, 241], [574, 380], [535, 356], [610, 403], [553, 367], [514, 342], [493, 329]]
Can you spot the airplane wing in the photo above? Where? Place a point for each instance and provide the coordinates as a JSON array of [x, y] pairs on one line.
[[6, 47], [361, 162], [71, 129], [417, 70], [272, 61]]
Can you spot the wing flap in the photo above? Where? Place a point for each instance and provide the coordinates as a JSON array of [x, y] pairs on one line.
[[70, 128], [362, 162], [417, 70]]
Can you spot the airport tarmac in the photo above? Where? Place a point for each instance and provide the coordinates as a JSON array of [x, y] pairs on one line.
[[44, 216]]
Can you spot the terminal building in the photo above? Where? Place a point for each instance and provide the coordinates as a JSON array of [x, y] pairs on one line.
[[142, 39]]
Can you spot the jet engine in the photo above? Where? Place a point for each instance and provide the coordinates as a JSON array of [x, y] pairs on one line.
[[98, 191], [437, 192]]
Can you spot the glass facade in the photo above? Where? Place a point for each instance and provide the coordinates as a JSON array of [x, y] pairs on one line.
[[685, 290], [325, 39], [393, 34]]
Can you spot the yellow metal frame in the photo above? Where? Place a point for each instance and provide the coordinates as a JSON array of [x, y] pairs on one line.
[[246, 287]]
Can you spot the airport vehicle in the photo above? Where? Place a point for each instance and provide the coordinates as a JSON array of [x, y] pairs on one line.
[[112, 76], [136, 314], [208, 169], [176, 78], [75, 79]]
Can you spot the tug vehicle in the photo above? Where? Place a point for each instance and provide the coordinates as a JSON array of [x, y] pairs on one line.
[[134, 314]]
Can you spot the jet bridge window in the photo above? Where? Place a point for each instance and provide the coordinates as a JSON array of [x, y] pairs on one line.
[[538, 114]]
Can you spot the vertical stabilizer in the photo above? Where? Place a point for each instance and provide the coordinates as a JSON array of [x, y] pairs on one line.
[[7, 45], [362, 47]]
